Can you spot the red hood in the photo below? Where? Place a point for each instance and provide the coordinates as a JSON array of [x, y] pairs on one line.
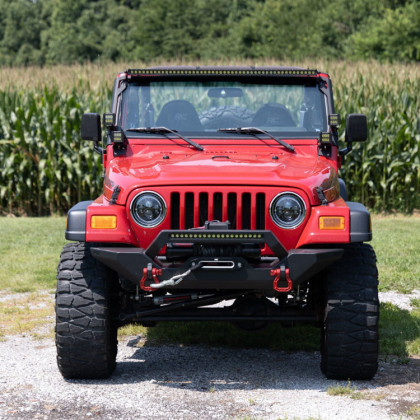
[[150, 167]]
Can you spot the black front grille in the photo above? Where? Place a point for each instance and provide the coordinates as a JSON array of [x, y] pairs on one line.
[[244, 210]]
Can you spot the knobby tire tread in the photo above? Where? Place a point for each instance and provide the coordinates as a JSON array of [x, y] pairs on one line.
[[86, 336], [349, 346]]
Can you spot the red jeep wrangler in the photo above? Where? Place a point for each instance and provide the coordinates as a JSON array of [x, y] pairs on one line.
[[221, 184]]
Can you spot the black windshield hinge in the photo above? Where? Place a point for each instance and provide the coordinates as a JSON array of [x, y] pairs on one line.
[[115, 194], [321, 196]]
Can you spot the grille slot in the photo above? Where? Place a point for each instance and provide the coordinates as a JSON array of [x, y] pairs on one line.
[[217, 206], [204, 208], [175, 210], [244, 210], [260, 214], [232, 208], [189, 210]]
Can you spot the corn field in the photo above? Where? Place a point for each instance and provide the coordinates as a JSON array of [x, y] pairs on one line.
[[45, 167]]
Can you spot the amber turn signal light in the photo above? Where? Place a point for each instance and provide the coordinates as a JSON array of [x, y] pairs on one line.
[[331, 223], [103, 222]]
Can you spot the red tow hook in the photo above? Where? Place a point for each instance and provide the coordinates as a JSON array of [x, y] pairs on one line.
[[278, 273], [149, 272]]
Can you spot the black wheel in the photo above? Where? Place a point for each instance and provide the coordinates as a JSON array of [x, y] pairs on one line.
[[86, 336], [349, 346]]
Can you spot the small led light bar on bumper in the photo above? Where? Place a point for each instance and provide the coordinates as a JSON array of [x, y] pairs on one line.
[[279, 273]]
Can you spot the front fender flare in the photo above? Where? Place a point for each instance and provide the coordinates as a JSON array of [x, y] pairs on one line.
[[76, 222], [360, 223]]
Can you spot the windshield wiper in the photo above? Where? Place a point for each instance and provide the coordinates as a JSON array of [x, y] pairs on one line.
[[253, 131], [163, 131]]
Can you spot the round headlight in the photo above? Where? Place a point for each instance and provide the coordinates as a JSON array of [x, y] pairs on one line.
[[287, 210], [148, 209]]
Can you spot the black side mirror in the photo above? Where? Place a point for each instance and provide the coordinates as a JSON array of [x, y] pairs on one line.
[[91, 127], [356, 131], [356, 128]]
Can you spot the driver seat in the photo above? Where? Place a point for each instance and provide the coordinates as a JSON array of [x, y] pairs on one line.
[[273, 115], [179, 115]]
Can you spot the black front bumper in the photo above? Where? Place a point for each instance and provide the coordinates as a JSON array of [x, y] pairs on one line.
[[222, 273]]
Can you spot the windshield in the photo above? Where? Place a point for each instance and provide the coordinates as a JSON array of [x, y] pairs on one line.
[[202, 108]]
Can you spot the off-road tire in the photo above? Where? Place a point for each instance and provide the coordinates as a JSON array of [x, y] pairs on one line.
[[86, 336], [349, 342]]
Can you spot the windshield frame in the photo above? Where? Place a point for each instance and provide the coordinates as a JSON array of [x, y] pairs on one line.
[[318, 83]]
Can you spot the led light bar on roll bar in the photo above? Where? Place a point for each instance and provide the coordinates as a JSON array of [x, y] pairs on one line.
[[221, 72]]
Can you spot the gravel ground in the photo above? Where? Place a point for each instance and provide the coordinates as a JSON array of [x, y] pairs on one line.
[[198, 382], [399, 299]]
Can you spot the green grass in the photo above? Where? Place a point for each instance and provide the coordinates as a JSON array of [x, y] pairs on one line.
[[30, 250], [353, 392], [26, 313], [414, 412], [275, 337], [348, 390], [396, 240], [399, 331]]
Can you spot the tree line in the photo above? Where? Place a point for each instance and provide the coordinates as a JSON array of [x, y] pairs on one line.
[[44, 32]]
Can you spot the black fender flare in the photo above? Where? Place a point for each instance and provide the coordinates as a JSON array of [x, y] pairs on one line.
[[76, 222], [360, 222], [343, 189]]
